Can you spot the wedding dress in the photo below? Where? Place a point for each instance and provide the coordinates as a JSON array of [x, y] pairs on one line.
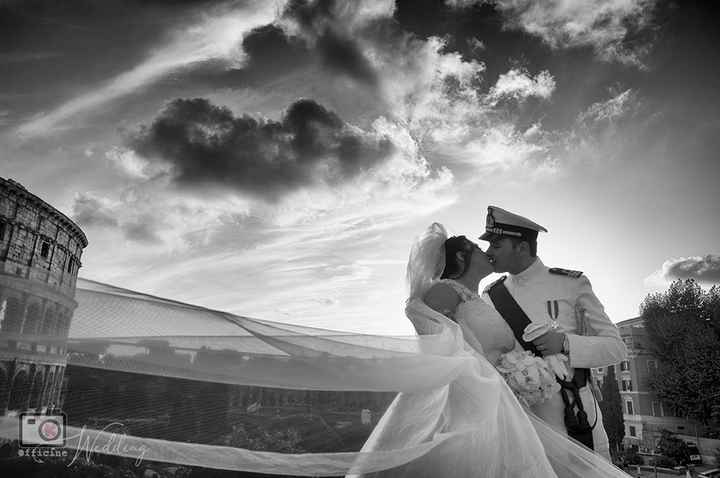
[[494, 436]]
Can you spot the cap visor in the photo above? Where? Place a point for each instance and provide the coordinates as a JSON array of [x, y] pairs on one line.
[[489, 236]]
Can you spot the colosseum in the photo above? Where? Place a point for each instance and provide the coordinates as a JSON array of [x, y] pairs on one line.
[[40, 250]]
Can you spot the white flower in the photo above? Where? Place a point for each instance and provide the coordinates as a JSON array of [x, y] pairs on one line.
[[530, 377]]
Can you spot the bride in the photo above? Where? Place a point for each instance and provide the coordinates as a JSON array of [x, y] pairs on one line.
[[493, 435]]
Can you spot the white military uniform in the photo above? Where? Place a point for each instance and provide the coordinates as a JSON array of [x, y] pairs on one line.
[[566, 298]]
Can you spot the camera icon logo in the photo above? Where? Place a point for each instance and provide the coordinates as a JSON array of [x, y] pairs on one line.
[[37, 429]]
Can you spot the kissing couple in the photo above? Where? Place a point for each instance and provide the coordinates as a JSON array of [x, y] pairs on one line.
[[527, 408]]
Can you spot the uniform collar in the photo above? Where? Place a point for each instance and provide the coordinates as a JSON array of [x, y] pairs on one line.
[[535, 269]]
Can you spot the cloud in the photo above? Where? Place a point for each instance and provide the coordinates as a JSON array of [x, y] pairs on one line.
[[703, 269], [90, 211], [334, 30], [611, 110], [143, 229], [435, 93], [216, 37], [126, 161], [601, 132], [517, 84], [607, 26], [207, 145], [504, 147], [343, 54], [476, 45]]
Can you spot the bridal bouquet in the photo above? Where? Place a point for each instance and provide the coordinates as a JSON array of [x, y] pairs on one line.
[[530, 377]]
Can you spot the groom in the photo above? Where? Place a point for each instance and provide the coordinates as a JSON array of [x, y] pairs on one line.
[[534, 293]]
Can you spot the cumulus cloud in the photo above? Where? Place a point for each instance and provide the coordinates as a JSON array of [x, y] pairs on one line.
[[435, 93], [208, 145], [703, 269], [604, 25]]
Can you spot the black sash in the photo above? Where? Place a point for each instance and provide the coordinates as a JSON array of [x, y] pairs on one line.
[[576, 421]]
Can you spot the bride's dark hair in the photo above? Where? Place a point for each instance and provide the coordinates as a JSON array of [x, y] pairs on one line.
[[453, 267]]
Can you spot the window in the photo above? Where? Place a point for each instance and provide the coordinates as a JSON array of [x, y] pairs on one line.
[[627, 385], [69, 265], [3, 226], [45, 249], [657, 409], [651, 365], [629, 406], [625, 365], [633, 432]]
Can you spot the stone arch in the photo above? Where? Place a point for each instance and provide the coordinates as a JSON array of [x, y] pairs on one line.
[[19, 392], [32, 318], [4, 390], [36, 390], [14, 308]]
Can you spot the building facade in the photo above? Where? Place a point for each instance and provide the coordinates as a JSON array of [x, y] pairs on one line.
[[40, 252], [645, 415]]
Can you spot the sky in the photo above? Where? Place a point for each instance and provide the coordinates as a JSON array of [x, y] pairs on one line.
[[277, 159]]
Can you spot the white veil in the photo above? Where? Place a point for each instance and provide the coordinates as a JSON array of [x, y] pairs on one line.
[[202, 359], [427, 260]]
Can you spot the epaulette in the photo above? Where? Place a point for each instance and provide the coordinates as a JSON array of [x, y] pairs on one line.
[[565, 272], [499, 281]]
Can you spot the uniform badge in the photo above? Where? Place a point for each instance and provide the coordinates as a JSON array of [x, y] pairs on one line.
[[553, 309], [565, 272]]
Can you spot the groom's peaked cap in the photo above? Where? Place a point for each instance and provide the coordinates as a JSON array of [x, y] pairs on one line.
[[501, 223]]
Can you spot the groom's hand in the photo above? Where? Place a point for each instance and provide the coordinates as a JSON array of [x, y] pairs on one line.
[[550, 343]]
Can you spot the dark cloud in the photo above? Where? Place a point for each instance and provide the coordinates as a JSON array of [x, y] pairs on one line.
[[703, 269], [207, 145], [344, 55], [338, 51], [309, 14], [273, 53], [88, 211]]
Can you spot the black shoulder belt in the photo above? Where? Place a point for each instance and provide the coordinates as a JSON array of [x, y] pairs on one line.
[[576, 422]]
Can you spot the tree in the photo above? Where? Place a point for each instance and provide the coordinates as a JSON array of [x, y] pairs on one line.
[[612, 412], [673, 447], [683, 326]]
